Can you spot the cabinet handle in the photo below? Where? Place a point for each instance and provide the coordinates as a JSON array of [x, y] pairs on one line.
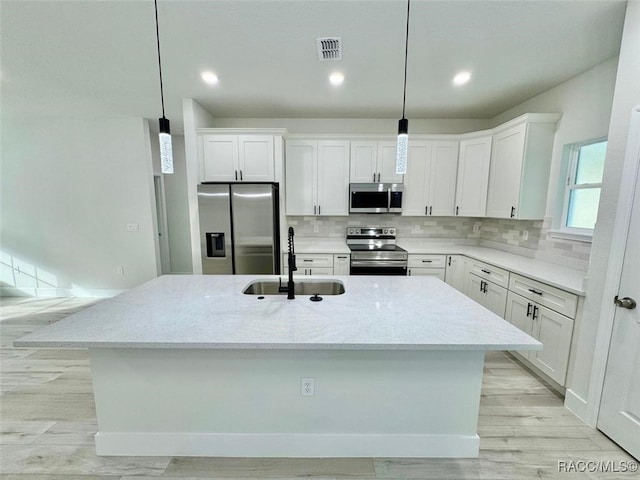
[[307, 260], [513, 212], [528, 309], [240, 175], [486, 284], [535, 311], [310, 272], [535, 291], [236, 175], [481, 285], [409, 272], [426, 210], [486, 271], [449, 260], [378, 178], [457, 210], [430, 209], [314, 209], [374, 177], [318, 209], [341, 257], [427, 261]]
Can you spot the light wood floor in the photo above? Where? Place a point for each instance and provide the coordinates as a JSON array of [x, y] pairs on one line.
[[47, 423]]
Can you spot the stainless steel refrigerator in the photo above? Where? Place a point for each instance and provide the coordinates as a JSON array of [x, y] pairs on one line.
[[239, 228]]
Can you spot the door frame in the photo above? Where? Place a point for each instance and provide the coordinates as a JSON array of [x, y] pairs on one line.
[[631, 171]]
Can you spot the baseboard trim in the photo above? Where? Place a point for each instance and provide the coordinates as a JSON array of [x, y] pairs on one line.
[[287, 445], [577, 405], [59, 292]]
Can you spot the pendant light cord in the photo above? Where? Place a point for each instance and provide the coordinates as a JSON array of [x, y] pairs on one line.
[[160, 63], [406, 51]]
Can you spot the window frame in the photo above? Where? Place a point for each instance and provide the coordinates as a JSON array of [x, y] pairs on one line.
[[565, 231]]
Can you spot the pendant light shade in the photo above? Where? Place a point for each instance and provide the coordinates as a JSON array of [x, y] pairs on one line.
[[166, 150], [403, 124]]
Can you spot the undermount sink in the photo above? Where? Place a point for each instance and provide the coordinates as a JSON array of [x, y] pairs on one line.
[[301, 287]]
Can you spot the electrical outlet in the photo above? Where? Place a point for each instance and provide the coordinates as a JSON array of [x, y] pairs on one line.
[[307, 387], [316, 228], [525, 235], [133, 227], [120, 270], [476, 227]]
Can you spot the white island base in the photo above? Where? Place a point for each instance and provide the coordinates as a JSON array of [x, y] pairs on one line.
[[248, 403]]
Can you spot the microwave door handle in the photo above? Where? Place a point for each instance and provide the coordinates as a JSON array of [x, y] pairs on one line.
[[388, 200]]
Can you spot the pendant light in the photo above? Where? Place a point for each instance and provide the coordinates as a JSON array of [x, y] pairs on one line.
[[166, 152], [403, 124]]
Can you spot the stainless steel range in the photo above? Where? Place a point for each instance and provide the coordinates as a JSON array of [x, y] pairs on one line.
[[374, 251]]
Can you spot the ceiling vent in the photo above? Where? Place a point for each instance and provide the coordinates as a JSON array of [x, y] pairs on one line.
[[329, 48]]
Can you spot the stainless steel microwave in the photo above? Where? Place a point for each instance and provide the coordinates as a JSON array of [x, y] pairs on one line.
[[375, 197]]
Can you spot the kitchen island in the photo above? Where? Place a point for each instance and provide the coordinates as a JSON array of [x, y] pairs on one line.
[[188, 365]]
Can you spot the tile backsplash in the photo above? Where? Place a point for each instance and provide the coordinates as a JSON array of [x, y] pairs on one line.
[[503, 234]]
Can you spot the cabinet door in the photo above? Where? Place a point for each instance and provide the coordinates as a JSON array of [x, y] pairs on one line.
[[442, 179], [554, 331], [416, 183], [454, 273], [301, 177], [219, 158], [333, 177], [364, 157], [475, 287], [507, 155], [473, 177], [518, 313], [387, 154], [496, 298], [255, 158], [341, 264]]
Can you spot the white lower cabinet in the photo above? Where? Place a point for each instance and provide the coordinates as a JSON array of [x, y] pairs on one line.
[[310, 264], [341, 264], [551, 328], [454, 272], [487, 294]]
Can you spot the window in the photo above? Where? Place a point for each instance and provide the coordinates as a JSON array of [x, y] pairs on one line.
[[582, 192]]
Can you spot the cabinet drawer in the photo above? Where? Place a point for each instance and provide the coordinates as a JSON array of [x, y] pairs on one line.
[[434, 272], [489, 272], [427, 261], [308, 260], [554, 298]]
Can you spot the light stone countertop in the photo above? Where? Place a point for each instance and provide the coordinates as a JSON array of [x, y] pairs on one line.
[[209, 311], [562, 277]]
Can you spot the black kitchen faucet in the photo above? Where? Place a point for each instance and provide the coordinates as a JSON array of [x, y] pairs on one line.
[[292, 267]]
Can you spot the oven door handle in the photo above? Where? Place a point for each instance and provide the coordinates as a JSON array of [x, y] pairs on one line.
[[378, 263]]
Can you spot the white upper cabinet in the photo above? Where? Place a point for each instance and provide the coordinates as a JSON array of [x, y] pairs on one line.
[[430, 183], [374, 161], [520, 163], [317, 177], [237, 158], [473, 176]]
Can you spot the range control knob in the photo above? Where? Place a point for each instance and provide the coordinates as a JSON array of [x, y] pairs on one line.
[[385, 231], [357, 231], [392, 231], [351, 231]]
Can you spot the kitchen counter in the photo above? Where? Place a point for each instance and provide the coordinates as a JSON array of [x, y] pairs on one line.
[[568, 279], [189, 366], [209, 311]]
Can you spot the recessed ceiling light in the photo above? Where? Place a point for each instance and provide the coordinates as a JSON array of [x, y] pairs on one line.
[[209, 78], [336, 78], [462, 78]]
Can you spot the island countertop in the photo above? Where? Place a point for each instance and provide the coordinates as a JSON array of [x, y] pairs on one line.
[[210, 311]]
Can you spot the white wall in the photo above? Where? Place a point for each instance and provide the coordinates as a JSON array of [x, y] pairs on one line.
[[626, 97], [69, 187], [355, 125], [177, 201]]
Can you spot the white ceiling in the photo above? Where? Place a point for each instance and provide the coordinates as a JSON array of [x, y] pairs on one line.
[[100, 56]]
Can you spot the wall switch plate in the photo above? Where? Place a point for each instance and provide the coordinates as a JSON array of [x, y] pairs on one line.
[[525, 235], [476, 227], [120, 270], [307, 387], [133, 227]]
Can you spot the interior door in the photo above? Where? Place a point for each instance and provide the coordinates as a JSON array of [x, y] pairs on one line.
[[619, 415]]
